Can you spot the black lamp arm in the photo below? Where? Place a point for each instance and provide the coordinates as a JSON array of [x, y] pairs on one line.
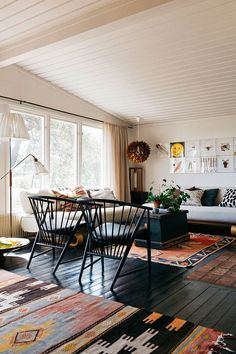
[[35, 159]]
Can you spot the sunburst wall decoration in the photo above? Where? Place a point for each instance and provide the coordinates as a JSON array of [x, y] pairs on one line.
[[138, 151]]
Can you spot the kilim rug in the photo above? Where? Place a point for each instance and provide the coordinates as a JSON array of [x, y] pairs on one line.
[[187, 253], [36, 317], [220, 271]]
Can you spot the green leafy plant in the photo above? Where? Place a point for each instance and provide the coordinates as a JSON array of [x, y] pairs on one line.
[[170, 196]]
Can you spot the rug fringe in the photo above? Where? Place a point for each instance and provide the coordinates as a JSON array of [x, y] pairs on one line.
[[220, 344]]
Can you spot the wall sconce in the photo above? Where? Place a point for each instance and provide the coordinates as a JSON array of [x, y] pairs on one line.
[[162, 149]]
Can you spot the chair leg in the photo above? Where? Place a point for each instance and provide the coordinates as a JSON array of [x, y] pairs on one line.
[[61, 256], [84, 260], [149, 255], [102, 261], [123, 259], [32, 250]]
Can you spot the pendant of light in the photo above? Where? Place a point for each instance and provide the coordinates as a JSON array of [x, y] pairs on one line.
[[138, 151]]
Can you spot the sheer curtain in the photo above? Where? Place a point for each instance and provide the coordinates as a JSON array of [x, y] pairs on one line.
[[116, 172]]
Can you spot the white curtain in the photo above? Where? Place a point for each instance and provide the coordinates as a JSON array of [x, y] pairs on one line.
[[115, 160]]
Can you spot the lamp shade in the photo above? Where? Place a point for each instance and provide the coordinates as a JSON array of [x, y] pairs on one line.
[[12, 125], [39, 168]]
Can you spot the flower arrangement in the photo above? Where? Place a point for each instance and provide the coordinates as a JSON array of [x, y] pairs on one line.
[[138, 151], [170, 196]]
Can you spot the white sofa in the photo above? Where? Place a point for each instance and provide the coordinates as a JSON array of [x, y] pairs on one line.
[[28, 222], [213, 215]]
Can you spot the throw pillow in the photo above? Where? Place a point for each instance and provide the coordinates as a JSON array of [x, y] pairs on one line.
[[24, 198], [195, 197], [77, 193], [229, 199], [103, 194], [209, 197]]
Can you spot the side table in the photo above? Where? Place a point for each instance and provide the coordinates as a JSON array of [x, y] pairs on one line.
[[167, 230], [15, 243]]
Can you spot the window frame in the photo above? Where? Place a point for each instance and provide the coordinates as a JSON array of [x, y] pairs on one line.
[[46, 115]]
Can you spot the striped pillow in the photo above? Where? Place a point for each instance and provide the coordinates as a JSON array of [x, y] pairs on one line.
[[77, 193]]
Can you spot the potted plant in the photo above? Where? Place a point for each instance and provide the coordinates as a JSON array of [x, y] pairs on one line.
[[153, 198], [170, 196]]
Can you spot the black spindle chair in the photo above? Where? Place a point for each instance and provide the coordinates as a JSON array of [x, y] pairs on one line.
[[58, 220], [113, 226]]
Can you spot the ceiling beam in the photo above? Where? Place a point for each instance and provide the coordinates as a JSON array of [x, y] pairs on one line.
[[82, 27]]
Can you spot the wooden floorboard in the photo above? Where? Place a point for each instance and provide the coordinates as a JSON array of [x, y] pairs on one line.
[[169, 291]]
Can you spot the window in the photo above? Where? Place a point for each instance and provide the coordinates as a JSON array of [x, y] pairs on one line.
[[91, 174], [23, 175], [63, 154]]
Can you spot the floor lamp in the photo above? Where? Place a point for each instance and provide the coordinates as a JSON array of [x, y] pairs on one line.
[[12, 126]]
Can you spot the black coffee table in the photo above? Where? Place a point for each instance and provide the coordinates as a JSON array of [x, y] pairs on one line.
[[167, 229]]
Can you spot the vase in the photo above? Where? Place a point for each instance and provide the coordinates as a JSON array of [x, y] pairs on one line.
[[156, 204]]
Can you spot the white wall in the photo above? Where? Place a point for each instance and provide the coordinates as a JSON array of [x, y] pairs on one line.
[[158, 167], [17, 83]]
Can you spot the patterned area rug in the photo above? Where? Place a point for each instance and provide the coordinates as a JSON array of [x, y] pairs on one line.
[[220, 271], [36, 317], [185, 254]]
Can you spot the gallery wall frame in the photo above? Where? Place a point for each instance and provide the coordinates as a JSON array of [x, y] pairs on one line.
[[203, 156]]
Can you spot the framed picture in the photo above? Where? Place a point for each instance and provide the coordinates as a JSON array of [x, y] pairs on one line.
[[177, 165], [192, 148], [192, 165], [177, 149], [225, 146], [234, 146], [208, 164], [208, 147], [225, 164]]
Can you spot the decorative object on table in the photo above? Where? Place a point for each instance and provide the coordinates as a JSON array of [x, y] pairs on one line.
[[170, 196], [187, 253], [218, 271], [92, 324], [12, 126]]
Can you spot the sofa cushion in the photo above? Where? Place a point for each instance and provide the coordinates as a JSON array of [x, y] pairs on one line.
[[103, 194], [215, 214], [24, 198], [229, 199], [209, 197], [195, 197]]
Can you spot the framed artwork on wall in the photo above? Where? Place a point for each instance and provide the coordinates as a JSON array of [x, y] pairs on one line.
[[208, 164], [225, 146], [192, 148], [177, 165], [203, 156], [234, 146], [208, 147], [177, 149], [225, 164], [192, 165]]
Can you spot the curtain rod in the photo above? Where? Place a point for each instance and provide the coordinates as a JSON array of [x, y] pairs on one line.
[[51, 108]]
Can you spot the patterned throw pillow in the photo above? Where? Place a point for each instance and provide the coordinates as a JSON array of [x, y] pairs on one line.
[[229, 199], [195, 197], [77, 193]]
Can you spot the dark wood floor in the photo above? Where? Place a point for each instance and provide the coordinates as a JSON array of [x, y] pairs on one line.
[[169, 292]]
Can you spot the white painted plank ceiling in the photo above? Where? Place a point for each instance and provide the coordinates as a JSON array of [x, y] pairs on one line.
[[174, 61]]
